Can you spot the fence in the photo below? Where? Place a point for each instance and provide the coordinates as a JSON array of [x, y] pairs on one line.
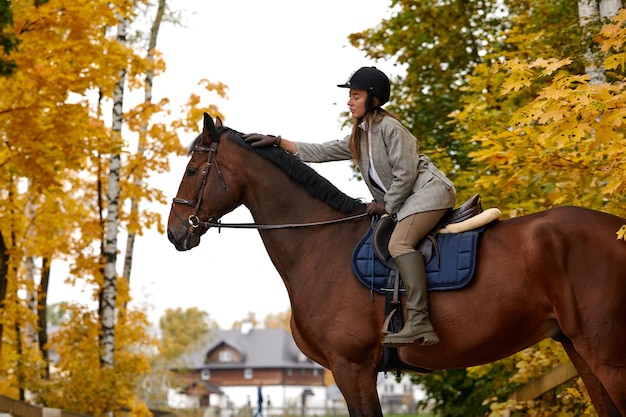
[[21, 409]]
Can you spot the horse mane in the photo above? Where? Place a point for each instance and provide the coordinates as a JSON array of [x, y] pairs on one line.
[[315, 184]]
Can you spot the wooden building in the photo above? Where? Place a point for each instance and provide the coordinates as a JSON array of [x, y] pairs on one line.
[[231, 370]]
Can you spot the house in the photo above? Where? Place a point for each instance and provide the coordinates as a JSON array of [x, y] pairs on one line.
[[227, 374], [237, 368]]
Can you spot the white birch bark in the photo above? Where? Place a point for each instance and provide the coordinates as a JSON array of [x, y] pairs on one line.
[[609, 8], [591, 14], [589, 20], [109, 287]]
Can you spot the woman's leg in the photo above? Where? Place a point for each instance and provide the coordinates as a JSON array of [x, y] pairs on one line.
[[410, 230], [407, 233]]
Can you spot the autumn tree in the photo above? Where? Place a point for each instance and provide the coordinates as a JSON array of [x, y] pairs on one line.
[[436, 44], [54, 156], [36, 179], [86, 386], [181, 331]]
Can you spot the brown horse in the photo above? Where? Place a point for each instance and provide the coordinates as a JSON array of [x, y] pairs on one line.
[[560, 273]]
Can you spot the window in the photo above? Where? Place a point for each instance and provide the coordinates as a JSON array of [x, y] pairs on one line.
[[205, 375], [225, 356], [248, 373]]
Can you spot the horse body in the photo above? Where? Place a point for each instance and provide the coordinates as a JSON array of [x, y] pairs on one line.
[[560, 273]]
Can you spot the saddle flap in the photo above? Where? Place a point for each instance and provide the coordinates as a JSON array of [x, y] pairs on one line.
[[380, 239]]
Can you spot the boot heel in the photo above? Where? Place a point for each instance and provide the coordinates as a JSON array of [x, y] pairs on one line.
[[428, 339]]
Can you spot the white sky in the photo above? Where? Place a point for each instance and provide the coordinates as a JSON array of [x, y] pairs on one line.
[[281, 60]]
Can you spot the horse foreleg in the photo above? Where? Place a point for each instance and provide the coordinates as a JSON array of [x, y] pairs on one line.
[[599, 396], [357, 383]]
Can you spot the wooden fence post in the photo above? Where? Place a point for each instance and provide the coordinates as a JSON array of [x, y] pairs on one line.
[[550, 380]]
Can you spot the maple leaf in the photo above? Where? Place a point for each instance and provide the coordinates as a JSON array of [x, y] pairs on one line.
[[551, 65], [614, 61]]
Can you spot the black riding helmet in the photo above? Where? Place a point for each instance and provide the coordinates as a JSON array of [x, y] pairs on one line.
[[372, 80]]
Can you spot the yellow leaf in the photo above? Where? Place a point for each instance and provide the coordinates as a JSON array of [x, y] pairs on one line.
[[621, 233], [613, 185], [520, 76], [614, 61], [554, 113], [550, 65]]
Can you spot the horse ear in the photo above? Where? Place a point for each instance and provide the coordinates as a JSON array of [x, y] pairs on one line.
[[218, 121], [208, 130]]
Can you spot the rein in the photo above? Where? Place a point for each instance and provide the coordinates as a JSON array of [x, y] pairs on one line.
[[195, 222]]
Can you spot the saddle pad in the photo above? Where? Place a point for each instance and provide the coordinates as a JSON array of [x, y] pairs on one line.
[[453, 271]]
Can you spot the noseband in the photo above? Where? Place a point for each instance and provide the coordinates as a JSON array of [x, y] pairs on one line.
[[193, 221]]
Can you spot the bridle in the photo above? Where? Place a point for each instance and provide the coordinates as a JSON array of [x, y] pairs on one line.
[[193, 221]]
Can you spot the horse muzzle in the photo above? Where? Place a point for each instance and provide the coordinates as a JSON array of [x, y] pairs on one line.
[[182, 239]]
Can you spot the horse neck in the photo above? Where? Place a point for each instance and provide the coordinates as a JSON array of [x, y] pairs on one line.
[[273, 198]]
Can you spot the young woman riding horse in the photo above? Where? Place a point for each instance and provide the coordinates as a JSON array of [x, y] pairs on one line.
[[404, 183], [559, 273]]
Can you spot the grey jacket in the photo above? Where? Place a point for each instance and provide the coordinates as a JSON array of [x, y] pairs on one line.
[[413, 182]]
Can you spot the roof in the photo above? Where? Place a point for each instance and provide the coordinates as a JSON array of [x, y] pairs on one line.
[[259, 348], [204, 385]]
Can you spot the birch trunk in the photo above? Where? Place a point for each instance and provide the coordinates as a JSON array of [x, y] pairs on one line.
[[609, 8], [589, 20], [591, 14], [109, 286]]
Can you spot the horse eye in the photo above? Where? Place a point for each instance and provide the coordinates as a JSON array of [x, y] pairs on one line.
[[191, 171]]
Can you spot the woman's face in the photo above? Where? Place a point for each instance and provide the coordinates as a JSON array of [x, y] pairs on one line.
[[357, 103]]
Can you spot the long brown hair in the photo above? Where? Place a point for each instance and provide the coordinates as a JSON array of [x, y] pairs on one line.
[[370, 118]]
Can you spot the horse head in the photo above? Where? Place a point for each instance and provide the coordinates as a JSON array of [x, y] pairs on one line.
[[203, 196]]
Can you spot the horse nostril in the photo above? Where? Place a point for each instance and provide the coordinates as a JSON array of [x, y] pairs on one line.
[[170, 236]]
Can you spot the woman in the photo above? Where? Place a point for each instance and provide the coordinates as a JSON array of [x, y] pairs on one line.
[[405, 184]]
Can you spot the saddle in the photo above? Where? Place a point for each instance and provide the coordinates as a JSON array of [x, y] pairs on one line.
[[384, 227]]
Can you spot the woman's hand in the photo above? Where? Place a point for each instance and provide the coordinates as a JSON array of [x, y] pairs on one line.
[[375, 207], [257, 140]]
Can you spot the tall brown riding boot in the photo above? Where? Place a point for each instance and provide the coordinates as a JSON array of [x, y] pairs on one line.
[[417, 327]]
